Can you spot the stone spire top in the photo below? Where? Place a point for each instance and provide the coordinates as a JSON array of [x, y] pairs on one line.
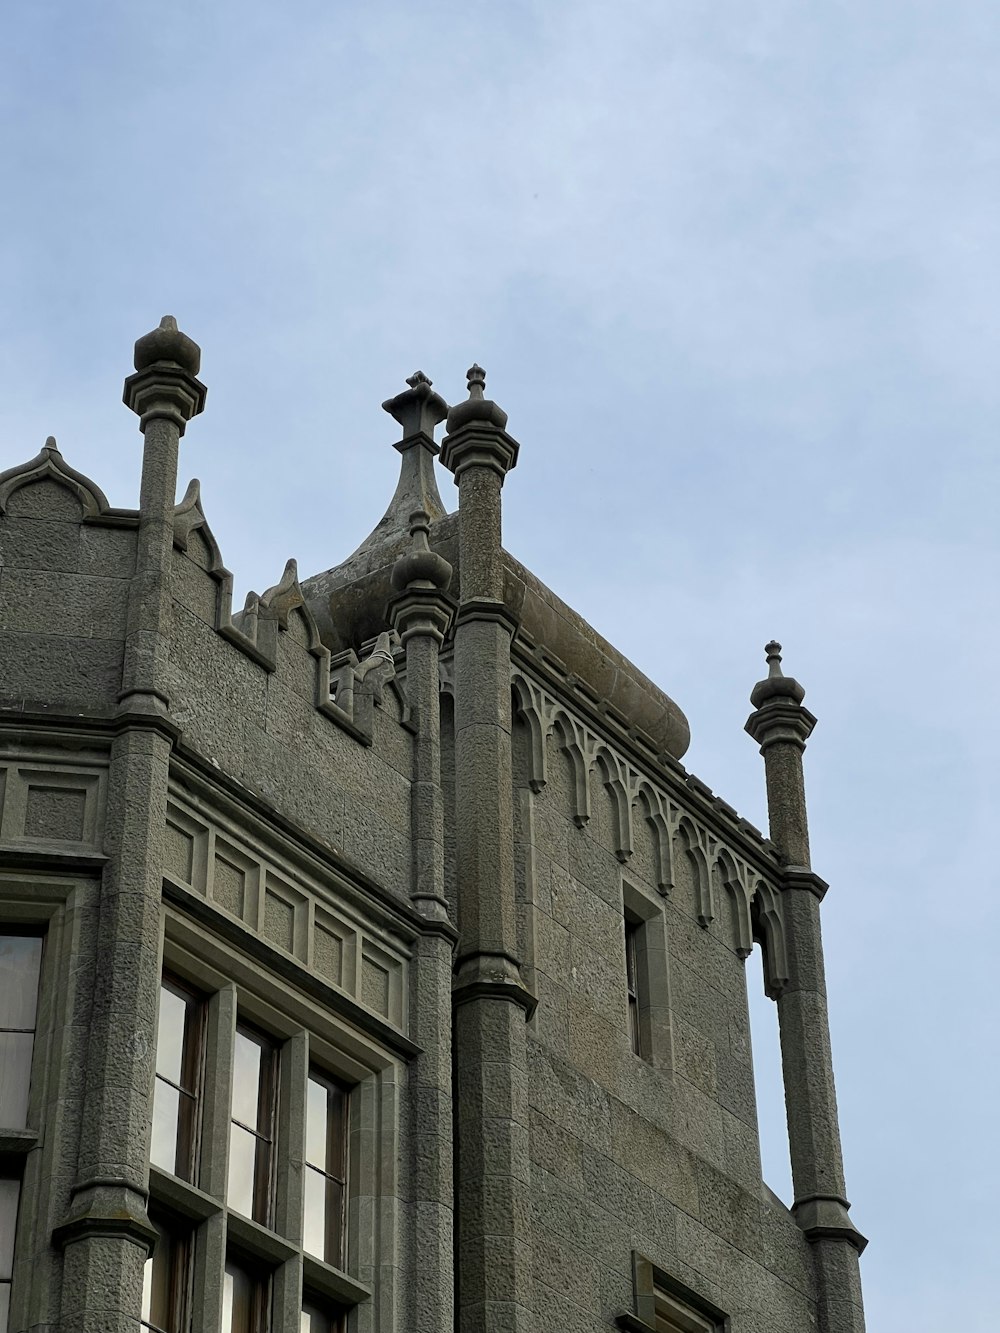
[[418, 409], [477, 408], [776, 684]]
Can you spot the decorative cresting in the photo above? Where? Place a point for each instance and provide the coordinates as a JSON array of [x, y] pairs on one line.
[[782, 726], [49, 465], [676, 830]]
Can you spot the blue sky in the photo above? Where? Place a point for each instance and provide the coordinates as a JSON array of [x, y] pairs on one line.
[[732, 269]]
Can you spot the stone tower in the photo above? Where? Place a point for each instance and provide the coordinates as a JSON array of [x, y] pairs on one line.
[[369, 960]]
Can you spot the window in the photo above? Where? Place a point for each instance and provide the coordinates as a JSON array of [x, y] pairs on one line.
[[251, 1133], [10, 1193], [666, 1305], [245, 1298], [164, 1280], [20, 961], [632, 931], [178, 1077], [315, 1319], [325, 1184], [673, 1317]]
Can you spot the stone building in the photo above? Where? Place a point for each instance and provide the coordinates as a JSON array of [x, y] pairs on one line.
[[369, 959]]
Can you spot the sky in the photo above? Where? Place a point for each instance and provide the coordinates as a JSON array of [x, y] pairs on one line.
[[732, 270]]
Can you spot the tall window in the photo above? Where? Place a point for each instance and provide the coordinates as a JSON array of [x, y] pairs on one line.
[[10, 1193], [633, 927], [178, 1076], [244, 1298], [325, 1176], [251, 1133], [20, 961], [163, 1281]]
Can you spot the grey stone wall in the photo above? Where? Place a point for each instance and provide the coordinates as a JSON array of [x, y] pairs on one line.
[[657, 1154]]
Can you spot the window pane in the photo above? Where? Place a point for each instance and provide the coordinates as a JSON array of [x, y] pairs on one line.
[[20, 959], [322, 1223], [317, 1133], [10, 1192], [170, 1035], [15, 1078], [159, 1283], [4, 1306], [166, 1117], [237, 1299], [326, 1106], [246, 1079], [315, 1320], [242, 1164]]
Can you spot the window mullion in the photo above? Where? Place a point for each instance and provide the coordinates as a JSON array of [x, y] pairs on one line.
[[219, 1038]]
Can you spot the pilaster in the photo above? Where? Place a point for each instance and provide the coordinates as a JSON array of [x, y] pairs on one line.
[[106, 1234], [421, 613], [494, 1251], [781, 726]]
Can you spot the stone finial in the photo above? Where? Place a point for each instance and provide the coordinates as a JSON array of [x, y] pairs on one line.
[[50, 446], [477, 407], [421, 567], [418, 409], [776, 685], [167, 343], [165, 384]]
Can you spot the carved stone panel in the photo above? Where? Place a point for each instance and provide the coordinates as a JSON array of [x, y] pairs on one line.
[[300, 915], [49, 806]]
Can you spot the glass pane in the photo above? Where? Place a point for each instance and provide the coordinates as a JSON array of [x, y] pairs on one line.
[[158, 1281], [20, 959], [4, 1306], [170, 1035], [166, 1119], [242, 1162], [323, 1205], [246, 1079], [10, 1192], [316, 1124], [325, 1110], [237, 1300], [15, 1078], [315, 1320], [314, 1214]]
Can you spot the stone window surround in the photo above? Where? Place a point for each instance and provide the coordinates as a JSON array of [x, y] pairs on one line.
[[658, 1294], [643, 911], [309, 1035]]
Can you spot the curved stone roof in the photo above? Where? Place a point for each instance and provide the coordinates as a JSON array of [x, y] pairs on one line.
[[349, 604]]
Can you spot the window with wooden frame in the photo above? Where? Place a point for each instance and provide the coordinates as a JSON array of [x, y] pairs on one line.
[[176, 1094], [252, 1128], [10, 1197], [165, 1278], [20, 966], [245, 1296], [325, 1183]]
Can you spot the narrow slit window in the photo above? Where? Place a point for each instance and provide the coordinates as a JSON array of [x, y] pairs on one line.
[[245, 1297], [633, 928], [20, 963], [178, 1076], [164, 1280], [251, 1132], [326, 1168]]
